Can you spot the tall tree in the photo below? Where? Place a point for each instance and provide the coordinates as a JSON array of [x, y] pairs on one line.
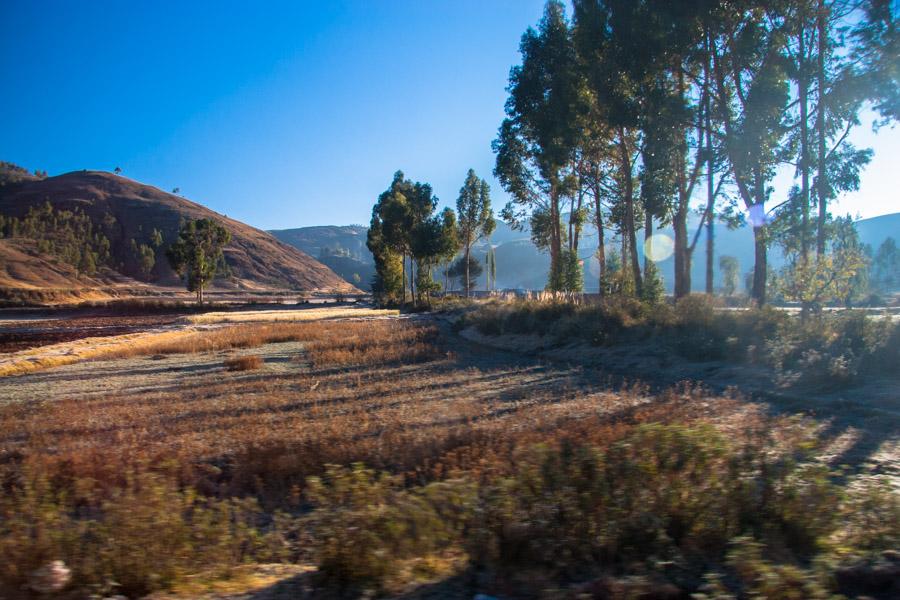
[[388, 239], [476, 220], [197, 253], [536, 142], [751, 100]]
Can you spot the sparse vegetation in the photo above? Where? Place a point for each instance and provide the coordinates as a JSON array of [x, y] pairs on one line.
[[545, 489], [833, 349], [68, 235]]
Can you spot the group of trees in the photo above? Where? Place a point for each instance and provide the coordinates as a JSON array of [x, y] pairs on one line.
[[408, 239], [73, 237], [69, 235], [632, 114]]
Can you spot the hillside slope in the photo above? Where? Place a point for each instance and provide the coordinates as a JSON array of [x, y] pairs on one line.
[[127, 213], [341, 247]]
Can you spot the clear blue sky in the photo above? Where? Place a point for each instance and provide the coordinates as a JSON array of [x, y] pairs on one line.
[[280, 114]]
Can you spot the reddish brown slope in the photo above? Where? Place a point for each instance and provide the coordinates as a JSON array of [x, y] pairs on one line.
[[257, 260]]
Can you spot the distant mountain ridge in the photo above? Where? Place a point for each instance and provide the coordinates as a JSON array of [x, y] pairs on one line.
[[341, 247], [520, 265], [130, 213]]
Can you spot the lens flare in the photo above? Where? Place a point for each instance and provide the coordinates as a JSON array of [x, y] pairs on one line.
[[659, 247]]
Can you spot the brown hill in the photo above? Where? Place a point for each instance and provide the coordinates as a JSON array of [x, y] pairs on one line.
[[128, 213]]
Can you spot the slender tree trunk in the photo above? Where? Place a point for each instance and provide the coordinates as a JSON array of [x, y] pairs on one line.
[[648, 238], [679, 220], [574, 235], [760, 245], [803, 89], [822, 176], [626, 166], [555, 233], [466, 258], [403, 276], [760, 241], [682, 261], [601, 248], [710, 174]]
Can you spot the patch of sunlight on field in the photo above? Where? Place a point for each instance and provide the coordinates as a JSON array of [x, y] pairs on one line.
[[306, 314], [66, 353]]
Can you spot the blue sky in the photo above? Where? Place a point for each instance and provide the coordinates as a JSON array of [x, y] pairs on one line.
[[281, 114]]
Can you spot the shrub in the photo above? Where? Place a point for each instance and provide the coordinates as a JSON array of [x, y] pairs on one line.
[[664, 493], [828, 349], [249, 362], [144, 536], [366, 523]]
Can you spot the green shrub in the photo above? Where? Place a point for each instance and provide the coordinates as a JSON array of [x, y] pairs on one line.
[[145, 536], [366, 523], [665, 493], [827, 350]]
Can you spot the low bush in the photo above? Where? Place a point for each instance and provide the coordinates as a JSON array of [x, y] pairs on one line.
[[366, 524], [249, 362], [144, 536], [666, 494], [827, 349]]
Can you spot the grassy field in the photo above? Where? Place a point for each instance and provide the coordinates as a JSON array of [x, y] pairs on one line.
[[388, 456]]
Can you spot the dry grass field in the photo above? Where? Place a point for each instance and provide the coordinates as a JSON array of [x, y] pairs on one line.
[[201, 423]]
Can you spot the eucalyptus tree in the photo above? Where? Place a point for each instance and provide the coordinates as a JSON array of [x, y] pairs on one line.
[[612, 71], [196, 255], [476, 219], [432, 240], [752, 93], [536, 142], [388, 239], [404, 227]]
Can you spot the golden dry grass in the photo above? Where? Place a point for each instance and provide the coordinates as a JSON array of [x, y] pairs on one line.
[[382, 392], [66, 353], [306, 314], [185, 339]]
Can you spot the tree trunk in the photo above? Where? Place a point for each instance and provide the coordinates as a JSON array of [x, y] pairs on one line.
[[648, 238], [601, 250], [403, 277], [682, 261], [710, 173], [803, 89], [466, 258], [822, 176], [625, 161], [760, 243], [555, 232], [679, 220]]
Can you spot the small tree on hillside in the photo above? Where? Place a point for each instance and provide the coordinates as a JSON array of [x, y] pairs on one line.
[[476, 220], [197, 253]]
